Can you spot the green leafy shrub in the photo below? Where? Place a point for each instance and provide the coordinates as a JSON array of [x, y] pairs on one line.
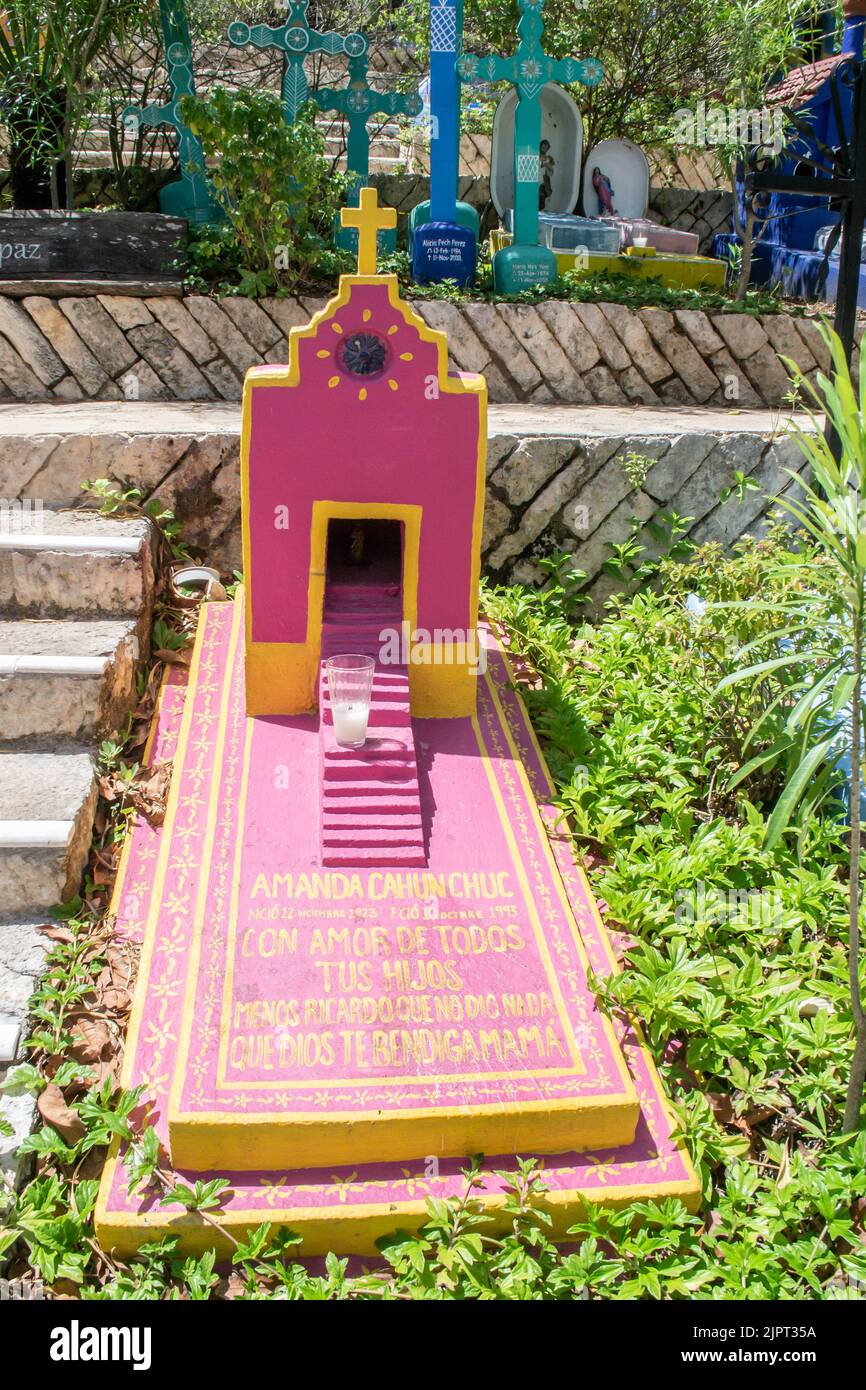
[[279, 193], [48, 54], [826, 673], [736, 944], [604, 287]]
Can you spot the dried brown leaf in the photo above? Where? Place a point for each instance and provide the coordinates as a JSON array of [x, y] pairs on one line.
[[55, 1112], [722, 1107], [92, 1040], [118, 1001], [181, 658], [56, 933]]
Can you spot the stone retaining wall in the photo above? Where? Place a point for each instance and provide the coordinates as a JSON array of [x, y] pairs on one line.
[[115, 347], [559, 478], [582, 496]]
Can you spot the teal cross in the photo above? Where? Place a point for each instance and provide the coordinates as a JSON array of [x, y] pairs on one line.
[[297, 41], [358, 101], [190, 196], [528, 69]]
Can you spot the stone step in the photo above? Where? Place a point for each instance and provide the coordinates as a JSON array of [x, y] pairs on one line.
[[384, 714], [97, 128], [348, 820], [163, 156], [371, 767], [65, 681], [385, 678], [338, 804], [136, 439], [361, 786], [360, 646], [369, 787], [47, 803], [383, 690], [343, 611], [388, 744], [369, 837], [75, 562], [361, 628], [353, 591], [379, 857]]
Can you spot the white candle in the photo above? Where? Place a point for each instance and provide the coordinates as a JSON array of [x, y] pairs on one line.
[[639, 241], [350, 723]]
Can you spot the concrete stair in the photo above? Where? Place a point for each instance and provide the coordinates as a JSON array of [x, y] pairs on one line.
[[370, 805], [75, 599], [64, 680], [76, 592], [93, 150], [63, 563], [47, 803]]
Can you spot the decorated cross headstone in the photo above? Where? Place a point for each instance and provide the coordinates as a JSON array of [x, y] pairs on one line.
[[444, 233], [368, 221], [526, 263], [189, 196], [357, 102], [297, 41]]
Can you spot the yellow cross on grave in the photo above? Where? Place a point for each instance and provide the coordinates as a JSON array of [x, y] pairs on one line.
[[370, 219]]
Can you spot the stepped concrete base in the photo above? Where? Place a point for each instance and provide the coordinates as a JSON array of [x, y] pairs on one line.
[[62, 563], [354, 617], [557, 475], [75, 599], [76, 593]]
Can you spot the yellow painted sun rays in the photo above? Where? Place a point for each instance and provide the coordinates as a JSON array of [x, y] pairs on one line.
[[335, 380]]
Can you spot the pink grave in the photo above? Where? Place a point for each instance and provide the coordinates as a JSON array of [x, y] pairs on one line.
[[361, 966]]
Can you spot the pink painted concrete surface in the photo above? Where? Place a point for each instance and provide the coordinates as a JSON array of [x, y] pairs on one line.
[[268, 985], [651, 1166], [402, 444]]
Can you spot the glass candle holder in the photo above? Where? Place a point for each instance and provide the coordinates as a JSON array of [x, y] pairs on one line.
[[350, 683]]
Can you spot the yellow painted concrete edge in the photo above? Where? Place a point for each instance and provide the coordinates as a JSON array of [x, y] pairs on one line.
[[615, 965], [347, 1230], [221, 1143]]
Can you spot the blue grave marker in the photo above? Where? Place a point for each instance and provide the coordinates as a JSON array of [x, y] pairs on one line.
[[443, 232]]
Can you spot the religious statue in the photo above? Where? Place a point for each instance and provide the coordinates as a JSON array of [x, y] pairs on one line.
[[547, 165], [602, 185]]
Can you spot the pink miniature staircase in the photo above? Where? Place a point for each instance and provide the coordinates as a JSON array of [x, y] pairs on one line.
[[371, 808]]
